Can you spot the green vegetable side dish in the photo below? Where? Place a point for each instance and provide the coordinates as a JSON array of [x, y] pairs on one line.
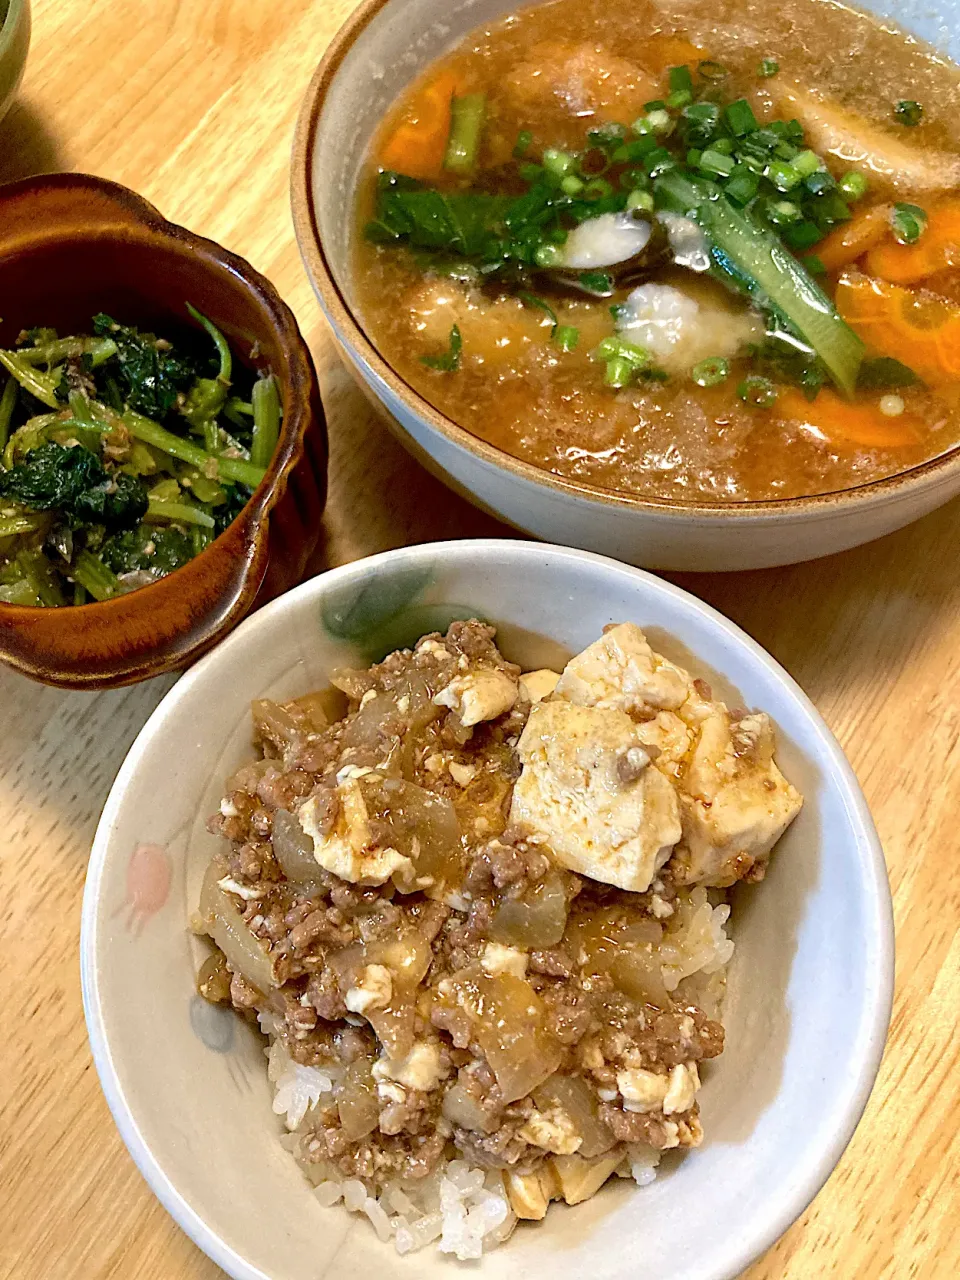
[[122, 456]]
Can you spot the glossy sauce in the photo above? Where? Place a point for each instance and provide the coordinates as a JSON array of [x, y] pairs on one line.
[[515, 389]]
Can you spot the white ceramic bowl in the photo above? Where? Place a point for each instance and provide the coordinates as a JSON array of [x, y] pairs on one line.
[[810, 983], [385, 45]]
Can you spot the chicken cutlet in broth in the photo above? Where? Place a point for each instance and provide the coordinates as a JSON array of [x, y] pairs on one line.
[[696, 257]]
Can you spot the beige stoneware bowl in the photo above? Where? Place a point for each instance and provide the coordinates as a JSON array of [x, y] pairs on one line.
[[384, 46], [809, 984]]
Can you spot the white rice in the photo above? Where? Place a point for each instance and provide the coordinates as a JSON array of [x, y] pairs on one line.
[[463, 1209]]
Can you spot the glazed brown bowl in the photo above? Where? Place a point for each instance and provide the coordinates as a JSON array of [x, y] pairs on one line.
[[386, 44], [71, 246]]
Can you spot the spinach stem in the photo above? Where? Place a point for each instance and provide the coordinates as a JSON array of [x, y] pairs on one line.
[[40, 385], [94, 576], [236, 469], [266, 420], [180, 511], [223, 347], [7, 404]]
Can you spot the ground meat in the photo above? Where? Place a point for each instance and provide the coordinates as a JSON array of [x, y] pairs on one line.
[[395, 727]]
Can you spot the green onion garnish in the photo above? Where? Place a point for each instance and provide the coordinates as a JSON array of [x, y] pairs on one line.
[[909, 222], [597, 282], [571, 185], [783, 175], [805, 163], [640, 200], [566, 336], [710, 70], [853, 185], [783, 213], [618, 372], [681, 98], [740, 118], [680, 80], [908, 112], [557, 162], [757, 391], [710, 372], [768, 67], [716, 163]]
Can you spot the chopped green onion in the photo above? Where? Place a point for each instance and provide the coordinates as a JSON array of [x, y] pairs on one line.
[[680, 98], [94, 576], [806, 162], [715, 162], [265, 399], [680, 80], [566, 336], [710, 70], [726, 146], [908, 112], [466, 125], [597, 189], [853, 185], [558, 162], [181, 512], [657, 121], [531, 173], [743, 186], [640, 200], [757, 391], [547, 255], [571, 185], [522, 145], [710, 372], [909, 222], [619, 349], [802, 235], [768, 67], [814, 265], [783, 212], [740, 118], [449, 362], [8, 403], [618, 372], [702, 113], [236, 469], [783, 176], [659, 161], [819, 183]]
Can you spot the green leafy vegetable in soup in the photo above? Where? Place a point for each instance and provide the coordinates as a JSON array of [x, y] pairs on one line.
[[646, 262], [122, 456]]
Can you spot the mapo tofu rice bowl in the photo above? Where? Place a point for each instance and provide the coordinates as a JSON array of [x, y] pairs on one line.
[[480, 915]]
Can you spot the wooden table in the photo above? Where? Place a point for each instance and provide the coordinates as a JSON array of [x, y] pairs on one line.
[[193, 103]]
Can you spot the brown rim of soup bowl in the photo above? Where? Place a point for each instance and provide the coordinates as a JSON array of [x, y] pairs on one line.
[[116, 250], [339, 311]]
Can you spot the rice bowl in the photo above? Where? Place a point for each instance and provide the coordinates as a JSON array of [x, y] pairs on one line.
[[775, 1126]]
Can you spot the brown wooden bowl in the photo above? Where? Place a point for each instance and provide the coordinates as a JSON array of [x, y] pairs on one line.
[[72, 245]]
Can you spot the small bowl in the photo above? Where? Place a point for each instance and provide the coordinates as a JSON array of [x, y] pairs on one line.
[[14, 43], [383, 46], [71, 246], [809, 986]]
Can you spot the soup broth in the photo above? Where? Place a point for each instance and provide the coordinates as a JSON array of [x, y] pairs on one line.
[[694, 252]]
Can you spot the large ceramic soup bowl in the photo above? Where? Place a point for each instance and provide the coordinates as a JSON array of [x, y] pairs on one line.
[[809, 985], [382, 50]]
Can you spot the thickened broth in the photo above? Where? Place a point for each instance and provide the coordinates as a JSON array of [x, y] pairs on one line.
[[699, 256]]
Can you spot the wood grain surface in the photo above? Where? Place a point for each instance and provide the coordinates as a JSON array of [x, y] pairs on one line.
[[193, 102]]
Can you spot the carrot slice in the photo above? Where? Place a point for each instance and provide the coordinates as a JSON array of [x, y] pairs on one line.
[[918, 328], [418, 143], [851, 240], [936, 250], [844, 423]]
